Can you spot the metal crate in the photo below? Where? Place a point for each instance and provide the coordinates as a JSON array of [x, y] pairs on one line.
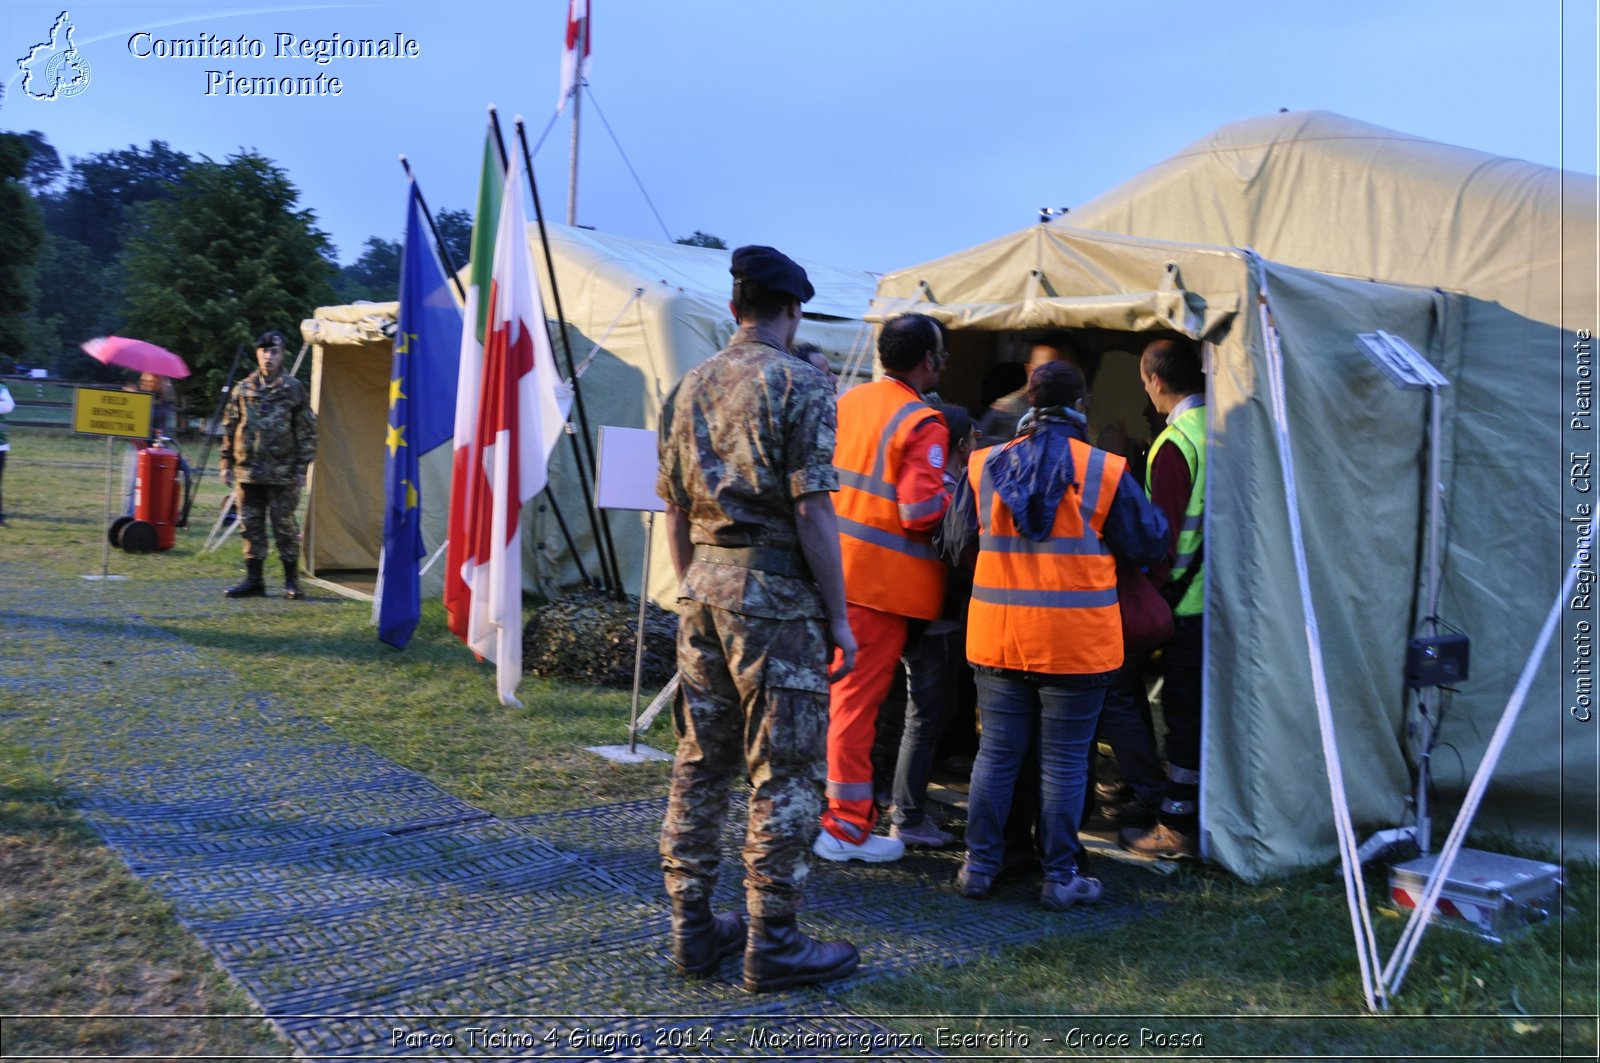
[[1491, 895]]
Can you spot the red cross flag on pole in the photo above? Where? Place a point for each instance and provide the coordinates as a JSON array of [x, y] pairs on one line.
[[575, 57], [518, 425]]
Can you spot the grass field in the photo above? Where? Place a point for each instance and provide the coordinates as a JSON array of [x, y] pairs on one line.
[[1250, 971]]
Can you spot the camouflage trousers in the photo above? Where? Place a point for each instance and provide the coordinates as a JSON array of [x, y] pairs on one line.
[[257, 503], [754, 703]]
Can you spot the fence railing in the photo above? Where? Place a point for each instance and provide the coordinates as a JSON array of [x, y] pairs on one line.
[[47, 402]]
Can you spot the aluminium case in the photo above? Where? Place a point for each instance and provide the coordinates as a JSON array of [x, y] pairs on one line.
[[1491, 895]]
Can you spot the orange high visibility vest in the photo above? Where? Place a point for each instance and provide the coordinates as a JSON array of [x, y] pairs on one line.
[[1048, 607], [886, 566]]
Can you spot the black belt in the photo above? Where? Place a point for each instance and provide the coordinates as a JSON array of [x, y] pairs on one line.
[[761, 558]]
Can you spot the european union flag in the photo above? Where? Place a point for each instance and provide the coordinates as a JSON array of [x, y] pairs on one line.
[[422, 410]]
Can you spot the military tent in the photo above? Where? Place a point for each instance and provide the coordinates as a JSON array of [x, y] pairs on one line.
[[1484, 265], [639, 313]]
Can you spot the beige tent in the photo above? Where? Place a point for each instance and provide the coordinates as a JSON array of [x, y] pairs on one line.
[[1484, 265], [640, 313]]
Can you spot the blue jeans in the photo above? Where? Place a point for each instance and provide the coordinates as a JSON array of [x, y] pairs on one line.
[[1061, 710]]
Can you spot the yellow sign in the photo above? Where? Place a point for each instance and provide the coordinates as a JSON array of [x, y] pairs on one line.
[[99, 412]]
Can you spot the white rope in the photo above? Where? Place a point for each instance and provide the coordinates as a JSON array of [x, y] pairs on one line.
[[649, 715], [213, 541], [583, 366], [1350, 861], [1411, 936], [436, 555], [858, 359]]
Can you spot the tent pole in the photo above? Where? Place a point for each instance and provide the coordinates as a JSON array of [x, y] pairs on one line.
[[597, 518]]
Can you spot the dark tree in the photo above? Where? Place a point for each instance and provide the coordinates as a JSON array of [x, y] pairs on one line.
[[229, 257], [20, 233], [375, 276], [101, 190], [455, 231], [700, 239], [44, 167]]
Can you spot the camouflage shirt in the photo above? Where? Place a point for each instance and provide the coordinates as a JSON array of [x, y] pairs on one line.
[[742, 436], [269, 434]]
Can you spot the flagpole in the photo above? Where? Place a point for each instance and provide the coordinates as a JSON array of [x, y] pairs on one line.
[[549, 492], [572, 155], [608, 551], [438, 241]]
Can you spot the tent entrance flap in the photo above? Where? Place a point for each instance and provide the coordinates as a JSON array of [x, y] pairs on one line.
[[1170, 310]]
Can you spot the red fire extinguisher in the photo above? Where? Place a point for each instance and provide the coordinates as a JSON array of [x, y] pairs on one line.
[[158, 489]]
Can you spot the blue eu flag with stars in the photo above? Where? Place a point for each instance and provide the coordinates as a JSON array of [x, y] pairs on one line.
[[422, 409]]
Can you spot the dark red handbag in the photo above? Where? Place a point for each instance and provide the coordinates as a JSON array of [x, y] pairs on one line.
[[1146, 616]]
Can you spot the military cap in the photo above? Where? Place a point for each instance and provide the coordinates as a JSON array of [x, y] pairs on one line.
[[273, 338], [772, 269]]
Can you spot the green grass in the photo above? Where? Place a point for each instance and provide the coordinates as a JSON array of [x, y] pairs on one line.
[[1274, 961]]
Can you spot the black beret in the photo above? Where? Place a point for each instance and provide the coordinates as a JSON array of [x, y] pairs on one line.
[[270, 339], [772, 269]]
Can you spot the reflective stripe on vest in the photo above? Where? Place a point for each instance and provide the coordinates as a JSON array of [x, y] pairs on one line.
[[1188, 434], [1048, 607], [886, 567]]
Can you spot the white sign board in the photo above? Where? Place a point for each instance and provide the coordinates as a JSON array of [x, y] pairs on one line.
[[627, 475], [1399, 361]]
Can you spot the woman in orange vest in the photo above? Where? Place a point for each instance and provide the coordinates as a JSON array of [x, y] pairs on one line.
[[1050, 515]]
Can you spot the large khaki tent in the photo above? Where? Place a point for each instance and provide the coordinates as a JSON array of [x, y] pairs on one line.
[[645, 312], [1485, 266]]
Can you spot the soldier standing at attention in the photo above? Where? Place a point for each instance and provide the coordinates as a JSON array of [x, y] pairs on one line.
[[269, 436], [746, 446]]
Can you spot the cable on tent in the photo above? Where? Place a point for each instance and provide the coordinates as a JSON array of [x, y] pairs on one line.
[[548, 126], [583, 366], [629, 165], [1349, 859], [855, 364], [1406, 948]]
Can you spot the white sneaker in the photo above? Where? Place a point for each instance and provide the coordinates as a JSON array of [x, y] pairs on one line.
[[875, 850]]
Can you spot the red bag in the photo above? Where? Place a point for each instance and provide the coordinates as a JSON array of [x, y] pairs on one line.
[[1146, 616]]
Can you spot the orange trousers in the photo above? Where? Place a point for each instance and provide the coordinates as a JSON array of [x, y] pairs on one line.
[[853, 721]]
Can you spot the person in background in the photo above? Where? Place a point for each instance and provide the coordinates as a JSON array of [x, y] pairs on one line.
[[7, 404], [746, 447], [891, 457], [813, 354], [1175, 381], [269, 437], [1049, 516], [933, 662], [1003, 418]]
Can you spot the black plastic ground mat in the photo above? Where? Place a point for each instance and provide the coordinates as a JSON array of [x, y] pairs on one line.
[[369, 913]]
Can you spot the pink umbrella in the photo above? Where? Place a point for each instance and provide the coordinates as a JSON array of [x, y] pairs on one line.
[[137, 355]]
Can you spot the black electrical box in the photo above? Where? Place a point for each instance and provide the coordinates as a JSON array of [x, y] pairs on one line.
[[1437, 661]]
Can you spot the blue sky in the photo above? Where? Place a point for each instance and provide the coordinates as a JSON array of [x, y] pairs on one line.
[[873, 134]]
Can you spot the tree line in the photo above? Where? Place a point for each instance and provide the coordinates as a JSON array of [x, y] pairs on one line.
[[189, 252], [195, 254]]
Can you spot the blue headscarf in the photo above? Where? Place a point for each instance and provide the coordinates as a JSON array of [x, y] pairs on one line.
[[1033, 474]]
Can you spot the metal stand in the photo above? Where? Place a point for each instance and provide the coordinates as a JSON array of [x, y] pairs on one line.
[[105, 563], [633, 753]]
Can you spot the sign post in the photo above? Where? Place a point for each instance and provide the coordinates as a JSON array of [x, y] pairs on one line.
[[113, 414], [626, 479]]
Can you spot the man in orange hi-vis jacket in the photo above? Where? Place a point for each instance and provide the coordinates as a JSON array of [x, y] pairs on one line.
[[890, 454]]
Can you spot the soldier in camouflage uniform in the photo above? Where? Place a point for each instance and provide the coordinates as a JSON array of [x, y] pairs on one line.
[[746, 442], [269, 436]]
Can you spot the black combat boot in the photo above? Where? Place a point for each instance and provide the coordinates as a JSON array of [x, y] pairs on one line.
[[701, 941], [777, 956], [291, 578], [253, 585]]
